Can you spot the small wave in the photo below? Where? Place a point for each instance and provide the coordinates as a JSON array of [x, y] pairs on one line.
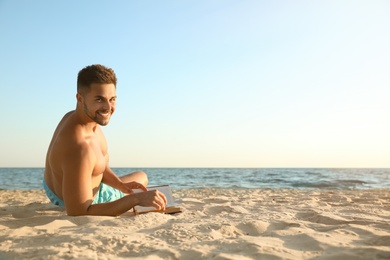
[[353, 181], [313, 173], [321, 185], [337, 184]]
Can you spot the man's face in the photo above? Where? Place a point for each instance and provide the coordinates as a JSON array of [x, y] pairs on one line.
[[99, 103]]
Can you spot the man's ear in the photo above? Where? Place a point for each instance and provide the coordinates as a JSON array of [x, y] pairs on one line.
[[79, 98]]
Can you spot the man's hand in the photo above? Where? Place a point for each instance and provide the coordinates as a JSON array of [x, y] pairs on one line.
[[152, 198], [130, 186]]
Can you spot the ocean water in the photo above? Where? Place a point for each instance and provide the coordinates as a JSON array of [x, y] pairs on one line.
[[250, 178]]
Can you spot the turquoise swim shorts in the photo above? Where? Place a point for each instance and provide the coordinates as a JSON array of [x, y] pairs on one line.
[[105, 194], [52, 196]]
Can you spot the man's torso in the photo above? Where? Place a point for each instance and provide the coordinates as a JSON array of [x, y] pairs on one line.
[[66, 139]]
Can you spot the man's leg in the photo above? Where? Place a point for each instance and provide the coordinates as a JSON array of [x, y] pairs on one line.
[[139, 176]]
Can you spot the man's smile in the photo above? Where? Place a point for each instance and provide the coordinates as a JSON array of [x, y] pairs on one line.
[[104, 114]]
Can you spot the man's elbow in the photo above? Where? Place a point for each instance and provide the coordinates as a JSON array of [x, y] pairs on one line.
[[75, 213]]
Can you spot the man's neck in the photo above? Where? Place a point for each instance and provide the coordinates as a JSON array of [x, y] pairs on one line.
[[85, 121]]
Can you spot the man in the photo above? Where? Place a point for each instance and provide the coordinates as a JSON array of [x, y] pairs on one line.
[[77, 174]]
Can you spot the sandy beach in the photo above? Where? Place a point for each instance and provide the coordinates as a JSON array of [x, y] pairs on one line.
[[214, 224]]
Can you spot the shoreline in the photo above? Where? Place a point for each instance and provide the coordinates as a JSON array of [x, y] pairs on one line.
[[302, 189], [215, 223], [184, 178]]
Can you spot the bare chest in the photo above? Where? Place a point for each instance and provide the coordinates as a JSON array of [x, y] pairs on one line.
[[101, 157]]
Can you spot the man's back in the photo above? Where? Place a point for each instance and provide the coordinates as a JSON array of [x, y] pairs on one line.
[[68, 139]]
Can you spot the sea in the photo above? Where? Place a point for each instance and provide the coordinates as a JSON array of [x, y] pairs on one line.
[[228, 178]]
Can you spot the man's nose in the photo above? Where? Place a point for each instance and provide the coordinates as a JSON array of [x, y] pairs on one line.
[[107, 105]]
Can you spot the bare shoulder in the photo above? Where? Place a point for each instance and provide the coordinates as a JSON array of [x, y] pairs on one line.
[[63, 125], [65, 119], [72, 141], [68, 141]]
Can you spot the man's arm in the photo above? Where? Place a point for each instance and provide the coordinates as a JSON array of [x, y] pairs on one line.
[[77, 188], [77, 166], [126, 184], [110, 178]]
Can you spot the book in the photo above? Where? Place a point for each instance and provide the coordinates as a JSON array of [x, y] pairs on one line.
[[171, 206]]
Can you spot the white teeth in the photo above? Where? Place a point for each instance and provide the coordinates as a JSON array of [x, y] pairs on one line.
[[104, 114]]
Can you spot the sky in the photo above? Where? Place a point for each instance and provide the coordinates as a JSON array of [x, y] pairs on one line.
[[206, 83]]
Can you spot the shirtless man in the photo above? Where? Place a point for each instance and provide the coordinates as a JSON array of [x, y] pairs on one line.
[[77, 174]]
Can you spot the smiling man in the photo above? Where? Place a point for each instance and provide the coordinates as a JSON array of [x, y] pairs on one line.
[[77, 174]]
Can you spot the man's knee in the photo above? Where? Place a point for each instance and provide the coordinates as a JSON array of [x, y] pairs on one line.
[[142, 177], [145, 177]]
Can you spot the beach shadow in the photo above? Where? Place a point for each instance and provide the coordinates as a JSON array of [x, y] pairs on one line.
[[301, 242], [38, 253], [333, 252], [31, 215]]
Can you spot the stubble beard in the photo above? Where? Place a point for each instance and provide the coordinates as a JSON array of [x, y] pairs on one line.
[[96, 117]]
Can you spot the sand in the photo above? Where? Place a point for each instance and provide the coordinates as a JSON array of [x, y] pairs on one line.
[[214, 224]]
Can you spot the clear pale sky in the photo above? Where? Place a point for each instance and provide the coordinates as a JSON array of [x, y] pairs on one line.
[[204, 83]]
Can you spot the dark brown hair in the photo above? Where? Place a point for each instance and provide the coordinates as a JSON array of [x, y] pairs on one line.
[[94, 74]]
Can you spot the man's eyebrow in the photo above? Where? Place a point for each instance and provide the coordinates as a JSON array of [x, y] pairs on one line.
[[98, 96]]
